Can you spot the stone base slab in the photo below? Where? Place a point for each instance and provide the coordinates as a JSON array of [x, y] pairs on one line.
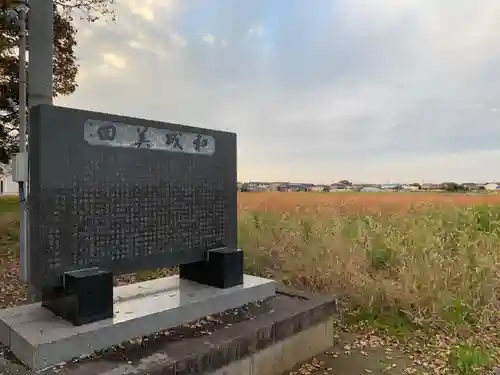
[[282, 356], [281, 332], [41, 340]]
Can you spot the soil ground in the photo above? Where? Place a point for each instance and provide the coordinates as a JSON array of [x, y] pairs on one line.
[[348, 357]]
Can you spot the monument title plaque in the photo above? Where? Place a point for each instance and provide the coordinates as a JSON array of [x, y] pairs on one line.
[[112, 194]]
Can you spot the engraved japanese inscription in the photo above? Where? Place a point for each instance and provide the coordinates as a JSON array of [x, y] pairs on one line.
[[126, 194], [102, 133]]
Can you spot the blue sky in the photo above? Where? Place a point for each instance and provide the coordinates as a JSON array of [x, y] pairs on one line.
[[318, 90]]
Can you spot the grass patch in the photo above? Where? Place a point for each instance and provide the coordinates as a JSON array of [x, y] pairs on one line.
[[393, 323], [155, 274], [469, 359], [9, 226], [9, 205]]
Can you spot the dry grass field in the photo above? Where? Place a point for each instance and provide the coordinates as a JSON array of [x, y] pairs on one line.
[[405, 262], [356, 203], [414, 266]]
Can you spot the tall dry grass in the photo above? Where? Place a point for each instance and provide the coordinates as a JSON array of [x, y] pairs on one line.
[[438, 265]]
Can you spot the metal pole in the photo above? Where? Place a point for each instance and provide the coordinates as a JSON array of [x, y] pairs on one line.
[[40, 71], [22, 142], [41, 38]]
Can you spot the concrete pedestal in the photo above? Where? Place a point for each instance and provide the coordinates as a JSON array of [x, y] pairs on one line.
[[41, 340]]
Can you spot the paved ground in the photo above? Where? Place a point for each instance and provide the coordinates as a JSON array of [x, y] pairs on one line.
[[351, 356]]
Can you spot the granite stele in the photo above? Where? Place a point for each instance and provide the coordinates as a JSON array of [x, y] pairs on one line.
[[110, 195]]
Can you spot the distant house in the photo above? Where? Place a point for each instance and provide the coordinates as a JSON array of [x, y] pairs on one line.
[[357, 187], [370, 189], [252, 188], [412, 187], [470, 186], [338, 186], [294, 187], [7, 185], [320, 188], [344, 182], [249, 187], [492, 186], [275, 186], [261, 185], [391, 187], [430, 187]]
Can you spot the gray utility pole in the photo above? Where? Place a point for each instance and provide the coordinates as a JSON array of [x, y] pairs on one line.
[[22, 11], [40, 52], [40, 70]]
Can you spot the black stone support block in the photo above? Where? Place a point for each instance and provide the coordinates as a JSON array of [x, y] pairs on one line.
[[222, 269], [83, 297]]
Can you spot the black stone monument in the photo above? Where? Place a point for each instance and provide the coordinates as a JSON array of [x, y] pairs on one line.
[[111, 194]]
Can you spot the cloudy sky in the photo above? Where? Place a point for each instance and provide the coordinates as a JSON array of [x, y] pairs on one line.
[[318, 90]]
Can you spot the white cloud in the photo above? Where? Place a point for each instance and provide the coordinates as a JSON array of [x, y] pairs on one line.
[[369, 90], [208, 38], [149, 9], [114, 61], [178, 39], [257, 30]]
